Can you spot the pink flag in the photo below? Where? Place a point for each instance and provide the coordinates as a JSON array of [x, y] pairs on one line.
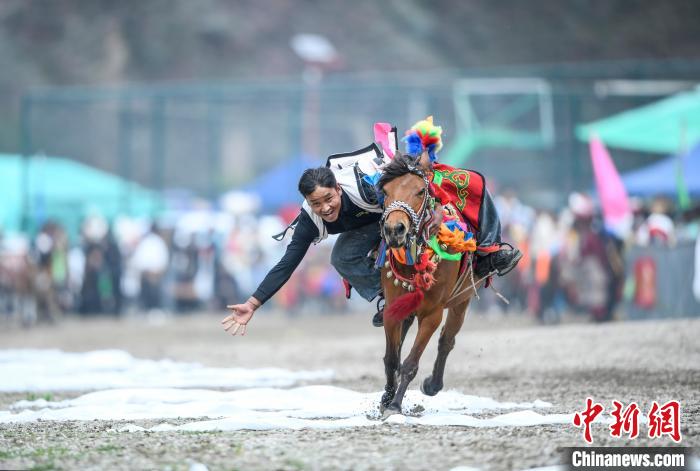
[[381, 135], [612, 193]]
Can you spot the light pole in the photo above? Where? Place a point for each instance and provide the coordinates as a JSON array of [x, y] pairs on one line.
[[318, 53]]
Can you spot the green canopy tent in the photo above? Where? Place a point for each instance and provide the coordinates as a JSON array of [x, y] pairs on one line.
[[67, 191], [668, 126]]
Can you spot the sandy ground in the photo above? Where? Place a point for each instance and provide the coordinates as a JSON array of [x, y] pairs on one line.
[[506, 358]]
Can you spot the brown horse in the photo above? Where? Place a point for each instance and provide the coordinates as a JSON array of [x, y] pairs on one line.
[[409, 217]]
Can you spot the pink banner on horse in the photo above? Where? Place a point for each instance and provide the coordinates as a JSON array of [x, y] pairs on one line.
[[381, 135], [612, 192]]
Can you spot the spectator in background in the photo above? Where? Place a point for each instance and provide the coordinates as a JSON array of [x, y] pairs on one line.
[[150, 259], [512, 211], [544, 246], [5, 280], [658, 229], [95, 285], [17, 274], [114, 266], [207, 258], [51, 274], [184, 266], [601, 269]]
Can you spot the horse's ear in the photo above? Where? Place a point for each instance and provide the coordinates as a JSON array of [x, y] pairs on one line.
[[424, 161]]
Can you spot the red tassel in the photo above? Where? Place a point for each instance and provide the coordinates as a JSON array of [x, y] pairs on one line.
[[404, 305], [425, 264], [424, 281], [422, 264]]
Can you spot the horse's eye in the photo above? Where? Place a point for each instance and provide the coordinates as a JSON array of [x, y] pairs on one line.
[[421, 193]]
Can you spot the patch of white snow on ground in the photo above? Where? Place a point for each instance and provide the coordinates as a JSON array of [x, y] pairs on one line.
[[322, 407], [54, 370]]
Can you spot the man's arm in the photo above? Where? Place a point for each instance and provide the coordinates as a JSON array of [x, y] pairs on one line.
[[304, 235]]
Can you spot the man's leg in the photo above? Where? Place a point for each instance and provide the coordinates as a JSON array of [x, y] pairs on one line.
[[349, 258], [493, 257]]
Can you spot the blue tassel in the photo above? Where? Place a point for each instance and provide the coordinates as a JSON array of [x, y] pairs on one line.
[[409, 259], [381, 256], [452, 224], [372, 179], [431, 153], [380, 196], [414, 146]]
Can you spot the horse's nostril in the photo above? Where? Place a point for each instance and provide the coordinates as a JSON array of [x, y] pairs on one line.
[[399, 229]]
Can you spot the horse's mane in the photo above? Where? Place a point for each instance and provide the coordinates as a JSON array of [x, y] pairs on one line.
[[400, 165]]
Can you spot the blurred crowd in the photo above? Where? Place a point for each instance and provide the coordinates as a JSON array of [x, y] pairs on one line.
[[573, 263], [195, 261], [206, 260]]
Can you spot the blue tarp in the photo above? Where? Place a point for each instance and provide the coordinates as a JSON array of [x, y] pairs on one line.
[[660, 178], [278, 187]]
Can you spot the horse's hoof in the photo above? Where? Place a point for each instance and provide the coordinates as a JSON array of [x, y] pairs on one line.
[[389, 411], [428, 388], [386, 399]]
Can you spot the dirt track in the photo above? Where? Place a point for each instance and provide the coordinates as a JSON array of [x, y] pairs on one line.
[[508, 359]]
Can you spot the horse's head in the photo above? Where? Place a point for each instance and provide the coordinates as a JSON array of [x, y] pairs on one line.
[[405, 187]]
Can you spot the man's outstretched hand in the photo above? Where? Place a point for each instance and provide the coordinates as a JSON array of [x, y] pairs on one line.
[[239, 317]]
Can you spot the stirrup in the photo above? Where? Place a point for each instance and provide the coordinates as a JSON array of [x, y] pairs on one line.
[[517, 255], [378, 318]]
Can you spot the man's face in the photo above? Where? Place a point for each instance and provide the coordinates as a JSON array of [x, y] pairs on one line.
[[325, 202]]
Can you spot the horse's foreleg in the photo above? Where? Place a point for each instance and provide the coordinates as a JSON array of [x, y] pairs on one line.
[[405, 325], [392, 357], [455, 318], [426, 327], [391, 360]]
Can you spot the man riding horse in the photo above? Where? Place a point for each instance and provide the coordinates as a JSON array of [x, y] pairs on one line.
[[342, 199]]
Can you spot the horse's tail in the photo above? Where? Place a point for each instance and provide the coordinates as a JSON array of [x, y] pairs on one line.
[[405, 305]]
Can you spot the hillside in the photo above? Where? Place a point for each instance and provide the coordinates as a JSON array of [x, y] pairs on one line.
[[112, 42]]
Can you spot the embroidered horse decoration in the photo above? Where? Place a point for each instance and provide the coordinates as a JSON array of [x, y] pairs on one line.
[[426, 259]]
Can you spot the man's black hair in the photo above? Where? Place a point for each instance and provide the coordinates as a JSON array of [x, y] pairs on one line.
[[315, 177]]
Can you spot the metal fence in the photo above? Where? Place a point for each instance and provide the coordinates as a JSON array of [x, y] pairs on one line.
[[214, 137], [670, 282]]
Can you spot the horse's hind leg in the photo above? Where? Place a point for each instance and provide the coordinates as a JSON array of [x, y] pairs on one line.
[[426, 327], [455, 318]]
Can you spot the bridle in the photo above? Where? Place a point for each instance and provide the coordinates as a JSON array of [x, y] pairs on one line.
[[415, 240]]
